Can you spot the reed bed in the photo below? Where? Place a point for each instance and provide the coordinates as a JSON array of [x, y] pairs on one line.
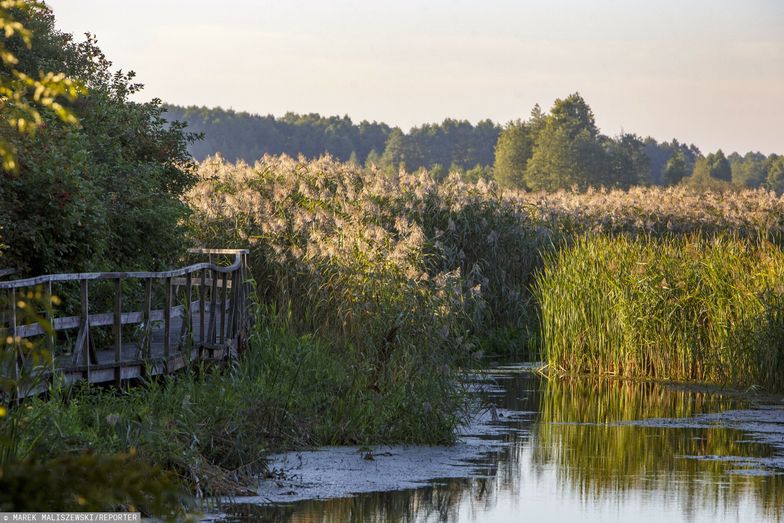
[[358, 257], [665, 283], [660, 212], [688, 308]]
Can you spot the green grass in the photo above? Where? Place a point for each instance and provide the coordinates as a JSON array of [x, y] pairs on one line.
[[208, 430], [670, 308]]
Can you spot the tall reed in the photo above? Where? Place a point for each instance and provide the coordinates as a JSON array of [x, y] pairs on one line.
[[356, 257], [685, 308]]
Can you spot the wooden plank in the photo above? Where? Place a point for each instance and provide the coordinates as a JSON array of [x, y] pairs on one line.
[[101, 320], [50, 339], [187, 335], [233, 307], [201, 250], [196, 281], [202, 303], [14, 345], [40, 280]]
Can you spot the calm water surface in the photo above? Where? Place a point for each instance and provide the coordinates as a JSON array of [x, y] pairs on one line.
[[559, 450]]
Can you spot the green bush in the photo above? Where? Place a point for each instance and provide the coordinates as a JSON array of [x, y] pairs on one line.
[[104, 194]]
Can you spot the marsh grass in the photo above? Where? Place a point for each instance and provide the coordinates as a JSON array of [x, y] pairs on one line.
[[211, 427], [654, 282], [356, 257], [680, 308]]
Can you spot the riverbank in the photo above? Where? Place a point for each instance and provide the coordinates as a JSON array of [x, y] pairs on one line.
[[208, 431], [702, 455]]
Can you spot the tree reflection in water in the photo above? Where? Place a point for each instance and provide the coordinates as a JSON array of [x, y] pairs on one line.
[[582, 444]]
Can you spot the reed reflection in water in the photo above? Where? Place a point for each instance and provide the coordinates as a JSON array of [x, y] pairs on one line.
[[585, 457]]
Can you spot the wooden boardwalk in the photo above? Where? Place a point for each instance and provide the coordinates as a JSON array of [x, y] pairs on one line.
[[203, 317]]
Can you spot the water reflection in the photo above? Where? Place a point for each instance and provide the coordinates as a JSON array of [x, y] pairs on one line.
[[585, 457]]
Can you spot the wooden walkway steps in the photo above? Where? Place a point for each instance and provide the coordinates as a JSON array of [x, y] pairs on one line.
[[156, 323]]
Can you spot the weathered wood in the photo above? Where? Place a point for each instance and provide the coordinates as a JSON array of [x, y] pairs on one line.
[[118, 331], [221, 295], [224, 295], [39, 280], [167, 319], [187, 331], [202, 303], [100, 320], [50, 339], [196, 281], [14, 343], [233, 307], [144, 348], [201, 250]]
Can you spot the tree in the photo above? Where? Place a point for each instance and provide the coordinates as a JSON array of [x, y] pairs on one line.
[[21, 93], [561, 161], [573, 115], [512, 152], [627, 163], [394, 153], [749, 170], [676, 169], [718, 166], [567, 150], [775, 178], [702, 178]]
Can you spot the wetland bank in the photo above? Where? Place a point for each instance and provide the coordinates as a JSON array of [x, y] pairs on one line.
[[586, 448]]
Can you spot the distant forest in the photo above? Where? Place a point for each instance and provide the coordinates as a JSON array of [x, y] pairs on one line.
[[559, 149], [244, 136]]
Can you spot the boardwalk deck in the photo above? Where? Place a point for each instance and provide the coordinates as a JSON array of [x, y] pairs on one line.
[[135, 362], [204, 318]]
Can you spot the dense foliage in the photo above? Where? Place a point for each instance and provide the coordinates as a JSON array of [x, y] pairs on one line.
[[22, 93], [101, 195]]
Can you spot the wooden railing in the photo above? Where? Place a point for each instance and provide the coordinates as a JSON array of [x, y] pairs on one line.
[[156, 322]]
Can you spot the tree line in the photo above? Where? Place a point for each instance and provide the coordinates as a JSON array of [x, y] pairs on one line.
[[243, 136], [562, 148]]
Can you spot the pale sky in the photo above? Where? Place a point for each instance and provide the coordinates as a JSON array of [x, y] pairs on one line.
[[709, 72]]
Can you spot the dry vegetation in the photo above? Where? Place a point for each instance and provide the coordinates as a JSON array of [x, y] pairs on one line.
[[392, 265]]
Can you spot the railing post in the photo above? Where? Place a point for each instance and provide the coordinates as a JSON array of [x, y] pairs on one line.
[[83, 340], [167, 323], [118, 332], [146, 343], [202, 305], [224, 295], [213, 305], [14, 346], [50, 338], [232, 333], [187, 335]]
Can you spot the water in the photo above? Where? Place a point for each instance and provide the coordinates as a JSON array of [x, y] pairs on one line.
[[558, 450]]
